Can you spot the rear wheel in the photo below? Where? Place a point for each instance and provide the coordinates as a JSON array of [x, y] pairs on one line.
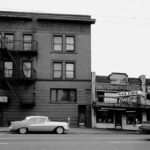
[[59, 130], [23, 130]]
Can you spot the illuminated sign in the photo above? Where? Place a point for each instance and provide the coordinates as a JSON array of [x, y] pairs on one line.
[[3, 99]]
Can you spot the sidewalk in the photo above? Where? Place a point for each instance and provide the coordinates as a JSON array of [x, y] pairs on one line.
[[84, 130], [100, 131]]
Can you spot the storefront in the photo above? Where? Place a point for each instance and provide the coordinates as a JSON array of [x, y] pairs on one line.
[[124, 114], [119, 105]]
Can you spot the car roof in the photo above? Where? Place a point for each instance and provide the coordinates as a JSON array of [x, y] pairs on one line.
[[29, 117]]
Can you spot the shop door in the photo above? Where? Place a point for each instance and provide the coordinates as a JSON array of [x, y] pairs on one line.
[[118, 120], [82, 115]]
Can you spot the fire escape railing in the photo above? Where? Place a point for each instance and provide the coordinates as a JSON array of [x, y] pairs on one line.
[[19, 45], [21, 74]]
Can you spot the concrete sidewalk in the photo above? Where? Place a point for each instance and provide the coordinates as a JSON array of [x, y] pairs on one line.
[[84, 130], [100, 131]]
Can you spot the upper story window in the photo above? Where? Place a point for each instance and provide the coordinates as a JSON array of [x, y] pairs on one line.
[[57, 70], [8, 69], [9, 40], [63, 43], [70, 70], [70, 43], [100, 96], [58, 43], [27, 42], [27, 69]]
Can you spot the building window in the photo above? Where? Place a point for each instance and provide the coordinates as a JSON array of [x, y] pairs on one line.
[[63, 95], [9, 41], [27, 70], [100, 96], [104, 116], [8, 69], [132, 117], [70, 70], [148, 96], [58, 43], [57, 70], [27, 42], [70, 43]]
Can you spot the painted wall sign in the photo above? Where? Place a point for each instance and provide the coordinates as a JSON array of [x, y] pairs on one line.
[[118, 78]]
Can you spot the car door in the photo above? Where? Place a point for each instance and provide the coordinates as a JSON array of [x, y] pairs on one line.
[[45, 125], [32, 124]]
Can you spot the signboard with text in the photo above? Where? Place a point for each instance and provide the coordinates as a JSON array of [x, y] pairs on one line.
[[129, 98], [3, 99]]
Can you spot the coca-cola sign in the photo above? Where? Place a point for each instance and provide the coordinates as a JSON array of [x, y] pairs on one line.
[[130, 100]]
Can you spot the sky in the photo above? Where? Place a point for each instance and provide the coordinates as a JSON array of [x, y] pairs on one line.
[[120, 40]]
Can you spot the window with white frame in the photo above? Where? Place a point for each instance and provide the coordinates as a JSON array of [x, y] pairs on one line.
[[70, 43], [57, 70], [27, 42], [9, 41], [58, 43], [70, 70], [8, 69]]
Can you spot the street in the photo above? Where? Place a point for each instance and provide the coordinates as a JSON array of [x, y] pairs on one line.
[[75, 142]]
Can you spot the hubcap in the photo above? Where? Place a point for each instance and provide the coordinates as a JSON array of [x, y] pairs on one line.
[[60, 130], [23, 130]]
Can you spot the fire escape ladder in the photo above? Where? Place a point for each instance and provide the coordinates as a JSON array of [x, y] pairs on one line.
[[13, 92], [18, 68]]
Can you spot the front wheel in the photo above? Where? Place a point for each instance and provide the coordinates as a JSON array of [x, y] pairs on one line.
[[23, 130], [59, 130]]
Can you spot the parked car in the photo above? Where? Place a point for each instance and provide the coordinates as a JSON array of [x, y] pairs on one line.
[[144, 127], [38, 124]]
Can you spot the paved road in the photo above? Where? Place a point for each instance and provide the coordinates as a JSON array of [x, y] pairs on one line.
[[75, 142]]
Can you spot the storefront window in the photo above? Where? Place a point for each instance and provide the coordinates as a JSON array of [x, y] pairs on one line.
[[104, 116], [133, 118]]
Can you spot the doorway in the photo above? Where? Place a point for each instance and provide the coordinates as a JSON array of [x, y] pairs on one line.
[[82, 115], [118, 120]]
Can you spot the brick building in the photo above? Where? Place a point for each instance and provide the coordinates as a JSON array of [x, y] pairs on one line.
[[45, 66], [120, 101]]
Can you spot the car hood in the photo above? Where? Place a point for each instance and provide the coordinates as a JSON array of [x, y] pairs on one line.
[[16, 122]]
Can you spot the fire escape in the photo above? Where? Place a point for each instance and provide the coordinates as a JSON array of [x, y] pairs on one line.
[[11, 78]]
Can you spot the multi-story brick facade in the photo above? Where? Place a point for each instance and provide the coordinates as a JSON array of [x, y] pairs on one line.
[[45, 66], [120, 101]]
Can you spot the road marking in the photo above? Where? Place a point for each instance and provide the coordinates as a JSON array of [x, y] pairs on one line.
[[3, 143], [127, 142], [8, 138]]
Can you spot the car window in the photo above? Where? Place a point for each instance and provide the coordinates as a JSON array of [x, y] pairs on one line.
[[33, 120], [42, 120]]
